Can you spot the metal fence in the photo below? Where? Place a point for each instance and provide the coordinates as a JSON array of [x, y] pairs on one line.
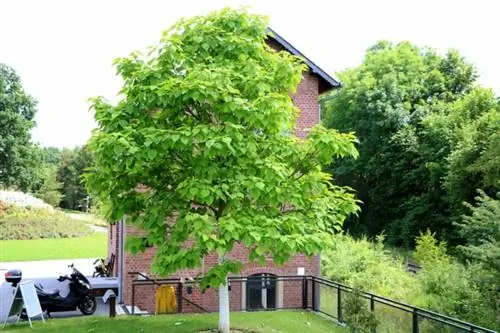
[[380, 314], [264, 292]]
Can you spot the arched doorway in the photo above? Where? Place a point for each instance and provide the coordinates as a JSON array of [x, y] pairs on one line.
[[261, 292]]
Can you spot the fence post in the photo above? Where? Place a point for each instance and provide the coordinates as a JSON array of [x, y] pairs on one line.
[[314, 305], [372, 309], [415, 321], [179, 297], [112, 306], [339, 304], [304, 293], [133, 298]]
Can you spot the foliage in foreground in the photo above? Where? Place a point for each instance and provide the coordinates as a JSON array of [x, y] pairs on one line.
[[259, 322], [443, 285], [20, 223], [202, 134], [201, 138]]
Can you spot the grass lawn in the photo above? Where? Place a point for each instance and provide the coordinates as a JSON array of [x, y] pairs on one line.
[[94, 246], [265, 322]]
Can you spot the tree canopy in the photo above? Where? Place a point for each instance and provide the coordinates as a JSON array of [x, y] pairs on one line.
[[428, 139], [200, 140], [73, 164], [17, 112]]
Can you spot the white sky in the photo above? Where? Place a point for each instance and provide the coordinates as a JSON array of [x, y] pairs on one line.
[[63, 50]]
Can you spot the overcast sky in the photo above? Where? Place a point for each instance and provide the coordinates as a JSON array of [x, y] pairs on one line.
[[63, 50]]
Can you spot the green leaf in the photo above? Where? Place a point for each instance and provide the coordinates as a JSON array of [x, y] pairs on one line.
[[151, 154]]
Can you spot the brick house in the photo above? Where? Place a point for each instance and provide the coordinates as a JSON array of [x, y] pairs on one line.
[[244, 295]]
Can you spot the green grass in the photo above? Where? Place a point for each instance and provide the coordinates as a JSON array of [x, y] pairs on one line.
[[94, 246], [265, 322]]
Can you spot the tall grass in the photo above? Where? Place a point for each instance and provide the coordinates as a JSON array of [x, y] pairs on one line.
[[443, 285], [24, 223]]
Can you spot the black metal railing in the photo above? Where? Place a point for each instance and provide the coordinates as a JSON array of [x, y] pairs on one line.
[[381, 314], [144, 281], [345, 305]]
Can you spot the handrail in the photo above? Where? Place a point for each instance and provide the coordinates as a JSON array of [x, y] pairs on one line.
[[420, 311], [195, 305], [155, 282]]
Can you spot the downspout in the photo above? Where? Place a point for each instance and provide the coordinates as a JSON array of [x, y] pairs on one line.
[[121, 243]]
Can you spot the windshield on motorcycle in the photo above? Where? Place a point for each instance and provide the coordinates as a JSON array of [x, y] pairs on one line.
[[77, 274]]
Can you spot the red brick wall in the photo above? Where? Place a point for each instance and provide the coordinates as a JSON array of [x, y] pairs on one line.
[[306, 99], [145, 295]]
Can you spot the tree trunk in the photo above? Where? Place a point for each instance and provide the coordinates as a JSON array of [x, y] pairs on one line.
[[223, 304]]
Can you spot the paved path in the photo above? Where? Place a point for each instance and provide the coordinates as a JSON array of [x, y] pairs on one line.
[[48, 268], [87, 218], [46, 273], [97, 228]]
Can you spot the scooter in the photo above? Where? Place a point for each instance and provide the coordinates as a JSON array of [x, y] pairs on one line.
[[78, 296]]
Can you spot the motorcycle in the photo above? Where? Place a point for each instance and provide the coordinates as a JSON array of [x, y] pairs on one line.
[[79, 296]]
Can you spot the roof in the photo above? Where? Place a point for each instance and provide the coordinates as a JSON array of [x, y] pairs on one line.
[[328, 81]]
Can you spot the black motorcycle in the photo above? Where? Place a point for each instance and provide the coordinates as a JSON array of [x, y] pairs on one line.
[[79, 296]]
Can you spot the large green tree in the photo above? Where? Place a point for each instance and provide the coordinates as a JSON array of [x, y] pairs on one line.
[[200, 140], [18, 158], [412, 110]]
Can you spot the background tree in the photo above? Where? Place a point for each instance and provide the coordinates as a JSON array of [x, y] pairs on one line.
[[73, 164], [18, 158], [481, 229], [425, 132], [199, 139], [50, 190], [51, 155]]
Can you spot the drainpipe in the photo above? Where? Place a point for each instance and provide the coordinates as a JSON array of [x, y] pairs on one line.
[[121, 243]]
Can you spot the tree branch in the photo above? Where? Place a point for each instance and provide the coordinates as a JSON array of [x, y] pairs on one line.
[[198, 204]]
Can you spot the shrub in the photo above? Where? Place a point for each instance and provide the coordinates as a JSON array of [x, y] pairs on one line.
[[443, 285], [357, 315], [450, 287], [24, 223], [364, 263]]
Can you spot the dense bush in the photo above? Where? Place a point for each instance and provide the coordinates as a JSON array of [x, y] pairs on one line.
[[19, 223], [443, 285], [363, 263], [448, 286]]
